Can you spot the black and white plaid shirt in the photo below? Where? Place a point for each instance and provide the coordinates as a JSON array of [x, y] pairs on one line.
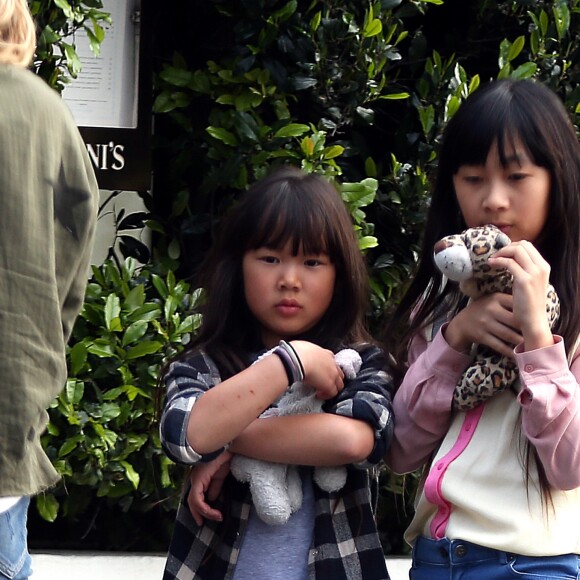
[[345, 544]]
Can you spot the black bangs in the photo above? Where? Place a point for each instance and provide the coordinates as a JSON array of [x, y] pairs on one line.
[[295, 217], [496, 117]]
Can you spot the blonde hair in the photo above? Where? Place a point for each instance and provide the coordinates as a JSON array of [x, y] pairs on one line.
[[17, 33]]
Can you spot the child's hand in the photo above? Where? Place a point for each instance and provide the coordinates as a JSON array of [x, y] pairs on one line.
[[488, 320], [531, 278], [207, 479], [320, 369]]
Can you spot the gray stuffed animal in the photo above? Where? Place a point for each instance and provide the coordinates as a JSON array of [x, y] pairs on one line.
[[276, 488]]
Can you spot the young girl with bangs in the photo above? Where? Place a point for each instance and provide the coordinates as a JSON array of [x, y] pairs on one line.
[[500, 496], [286, 277]]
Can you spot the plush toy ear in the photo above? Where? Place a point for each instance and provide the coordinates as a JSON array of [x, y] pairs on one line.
[[501, 241]]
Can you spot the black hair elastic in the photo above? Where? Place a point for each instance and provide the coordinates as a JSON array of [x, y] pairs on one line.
[[291, 361]]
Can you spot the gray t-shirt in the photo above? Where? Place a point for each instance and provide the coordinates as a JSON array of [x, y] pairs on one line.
[[279, 552]]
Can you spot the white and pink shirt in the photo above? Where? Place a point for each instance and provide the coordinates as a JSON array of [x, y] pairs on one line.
[[476, 487]]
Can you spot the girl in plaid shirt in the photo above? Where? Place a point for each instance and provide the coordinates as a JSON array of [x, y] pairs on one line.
[[286, 276]]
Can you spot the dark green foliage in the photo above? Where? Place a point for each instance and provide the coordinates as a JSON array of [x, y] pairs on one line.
[[102, 436]]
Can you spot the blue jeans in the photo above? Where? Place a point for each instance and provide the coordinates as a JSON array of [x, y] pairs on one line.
[[15, 563], [460, 560]]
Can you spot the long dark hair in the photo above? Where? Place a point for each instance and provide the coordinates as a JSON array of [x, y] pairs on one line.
[[502, 112], [288, 205]]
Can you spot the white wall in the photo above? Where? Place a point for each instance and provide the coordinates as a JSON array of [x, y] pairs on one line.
[[106, 224]]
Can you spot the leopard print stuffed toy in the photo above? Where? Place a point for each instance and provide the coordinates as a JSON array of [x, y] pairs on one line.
[[464, 258]]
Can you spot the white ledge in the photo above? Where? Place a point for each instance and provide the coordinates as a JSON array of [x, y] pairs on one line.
[[120, 566]]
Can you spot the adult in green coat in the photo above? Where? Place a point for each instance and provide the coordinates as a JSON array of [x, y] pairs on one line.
[[48, 210]]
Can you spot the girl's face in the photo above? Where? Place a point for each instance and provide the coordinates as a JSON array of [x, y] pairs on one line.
[[287, 294], [515, 198]]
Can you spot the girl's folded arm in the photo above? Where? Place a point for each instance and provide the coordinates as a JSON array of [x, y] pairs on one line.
[[312, 439], [202, 414], [355, 428], [368, 398], [185, 382]]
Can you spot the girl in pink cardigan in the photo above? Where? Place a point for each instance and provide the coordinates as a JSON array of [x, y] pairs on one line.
[[500, 496]]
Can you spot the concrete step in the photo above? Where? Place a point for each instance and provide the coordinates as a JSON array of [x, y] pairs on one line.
[[119, 566]]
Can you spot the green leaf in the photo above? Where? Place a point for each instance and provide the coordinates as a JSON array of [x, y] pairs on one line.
[[505, 72], [147, 312], [74, 390], [113, 394], [52, 429], [534, 42], [47, 506], [164, 103], [427, 118], [544, 22], [292, 130], [160, 286], [396, 96], [78, 358], [285, 12], [101, 348], [69, 445], [171, 305], [112, 312], [504, 47], [225, 100], [515, 48], [370, 167], [200, 82], [303, 82], [373, 28], [451, 106], [73, 62], [247, 101], [333, 152], [190, 324], [561, 18], [359, 194], [223, 135], [65, 7], [131, 474], [174, 249], [315, 21], [525, 71], [134, 332], [135, 298], [107, 412], [133, 392], [170, 281], [367, 242], [176, 76], [144, 348]]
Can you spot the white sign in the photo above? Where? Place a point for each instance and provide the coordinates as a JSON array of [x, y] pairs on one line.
[[105, 93]]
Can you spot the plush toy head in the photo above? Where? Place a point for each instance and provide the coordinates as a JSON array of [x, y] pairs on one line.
[[464, 259]]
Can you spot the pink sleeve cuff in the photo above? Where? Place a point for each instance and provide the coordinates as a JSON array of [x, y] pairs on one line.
[[539, 368]]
